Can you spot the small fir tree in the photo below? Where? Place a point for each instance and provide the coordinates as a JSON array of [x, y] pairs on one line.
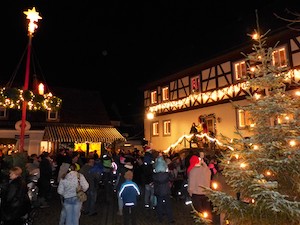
[[264, 169]]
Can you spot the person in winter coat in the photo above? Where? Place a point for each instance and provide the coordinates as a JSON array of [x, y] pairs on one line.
[[199, 177], [67, 189], [107, 175], [93, 178], [147, 176], [15, 201], [129, 193], [44, 182], [162, 190], [122, 169]]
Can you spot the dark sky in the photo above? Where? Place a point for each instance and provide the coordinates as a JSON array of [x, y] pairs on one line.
[[116, 46]]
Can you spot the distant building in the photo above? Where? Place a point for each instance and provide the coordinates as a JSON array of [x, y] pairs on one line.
[[82, 122]]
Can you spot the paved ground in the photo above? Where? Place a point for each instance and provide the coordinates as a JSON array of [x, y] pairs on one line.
[[107, 213]]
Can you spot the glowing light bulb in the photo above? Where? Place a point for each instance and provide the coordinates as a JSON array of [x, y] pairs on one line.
[[243, 165], [205, 214], [292, 143], [268, 173], [214, 185], [255, 36]]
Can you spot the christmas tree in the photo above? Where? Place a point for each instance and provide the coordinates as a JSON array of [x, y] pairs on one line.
[[264, 168]]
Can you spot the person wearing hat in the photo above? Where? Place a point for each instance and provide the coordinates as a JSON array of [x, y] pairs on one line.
[[199, 176], [147, 149], [107, 175], [162, 190], [193, 161], [129, 193]]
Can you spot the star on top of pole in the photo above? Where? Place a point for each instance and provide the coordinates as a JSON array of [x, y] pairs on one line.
[[33, 17]]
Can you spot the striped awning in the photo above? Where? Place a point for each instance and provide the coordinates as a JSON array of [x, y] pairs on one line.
[[77, 133], [6, 141]]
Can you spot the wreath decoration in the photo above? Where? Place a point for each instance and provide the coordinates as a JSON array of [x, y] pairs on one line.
[[13, 98]]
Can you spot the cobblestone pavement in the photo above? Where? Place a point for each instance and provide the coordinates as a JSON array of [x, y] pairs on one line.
[[107, 213]]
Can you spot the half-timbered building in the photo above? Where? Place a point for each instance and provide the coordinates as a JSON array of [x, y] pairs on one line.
[[205, 92]]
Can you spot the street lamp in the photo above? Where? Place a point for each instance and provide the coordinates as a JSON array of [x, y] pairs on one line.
[[150, 116], [33, 17]]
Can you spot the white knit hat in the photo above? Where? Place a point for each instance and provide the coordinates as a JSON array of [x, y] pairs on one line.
[[128, 165]]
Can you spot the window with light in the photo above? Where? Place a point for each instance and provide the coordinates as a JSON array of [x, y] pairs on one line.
[[279, 57], [167, 127], [284, 119], [195, 84], [155, 129], [244, 119], [153, 97], [240, 70], [165, 94]]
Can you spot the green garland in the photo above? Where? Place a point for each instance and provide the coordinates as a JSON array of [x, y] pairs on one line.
[[14, 97]]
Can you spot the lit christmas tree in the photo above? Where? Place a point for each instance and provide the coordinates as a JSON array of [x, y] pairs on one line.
[[264, 169]]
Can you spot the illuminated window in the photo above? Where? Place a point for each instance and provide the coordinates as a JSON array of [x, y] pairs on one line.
[[244, 119], [155, 129], [3, 113], [167, 127], [284, 119], [165, 93], [52, 115], [195, 84], [279, 57], [240, 70], [153, 97]]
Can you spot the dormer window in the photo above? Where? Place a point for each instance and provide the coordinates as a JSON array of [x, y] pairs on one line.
[[52, 115], [3, 113]]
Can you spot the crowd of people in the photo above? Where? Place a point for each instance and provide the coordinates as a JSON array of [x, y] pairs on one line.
[[154, 176]]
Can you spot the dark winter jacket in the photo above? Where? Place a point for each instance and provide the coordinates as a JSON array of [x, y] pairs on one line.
[[162, 183], [147, 173], [15, 201], [92, 178]]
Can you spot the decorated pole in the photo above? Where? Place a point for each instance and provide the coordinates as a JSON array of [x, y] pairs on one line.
[[33, 17]]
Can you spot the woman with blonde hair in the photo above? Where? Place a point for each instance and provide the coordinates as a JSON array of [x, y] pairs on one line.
[[67, 189]]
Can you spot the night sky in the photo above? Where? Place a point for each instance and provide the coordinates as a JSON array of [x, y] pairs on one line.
[[117, 46]]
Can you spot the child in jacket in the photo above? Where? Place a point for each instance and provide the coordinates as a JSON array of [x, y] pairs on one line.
[[129, 193]]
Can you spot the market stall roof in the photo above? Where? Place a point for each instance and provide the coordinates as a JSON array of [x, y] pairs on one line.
[[82, 133], [6, 141]]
